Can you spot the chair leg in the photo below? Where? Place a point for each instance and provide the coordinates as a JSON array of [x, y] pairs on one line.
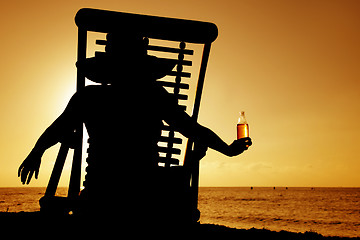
[[56, 205]]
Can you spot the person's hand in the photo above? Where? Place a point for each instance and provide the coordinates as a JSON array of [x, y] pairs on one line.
[[239, 146], [30, 166]]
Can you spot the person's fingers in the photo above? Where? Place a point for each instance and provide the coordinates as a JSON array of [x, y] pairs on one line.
[[244, 141], [24, 174], [247, 141], [36, 173], [30, 176], [20, 169]]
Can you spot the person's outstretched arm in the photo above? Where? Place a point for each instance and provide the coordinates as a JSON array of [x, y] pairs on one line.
[[63, 126], [183, 123]]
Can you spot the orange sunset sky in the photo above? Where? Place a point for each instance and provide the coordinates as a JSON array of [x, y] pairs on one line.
[[293, 66]]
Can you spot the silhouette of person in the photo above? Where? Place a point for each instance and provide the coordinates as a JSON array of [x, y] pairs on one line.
[[123, 119]]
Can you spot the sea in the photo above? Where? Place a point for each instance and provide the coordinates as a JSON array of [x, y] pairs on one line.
[[327, 211]]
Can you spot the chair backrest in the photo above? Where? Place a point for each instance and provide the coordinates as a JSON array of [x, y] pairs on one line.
[[167, 38]]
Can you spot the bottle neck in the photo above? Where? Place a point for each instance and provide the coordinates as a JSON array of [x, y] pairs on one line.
[[242, 119]]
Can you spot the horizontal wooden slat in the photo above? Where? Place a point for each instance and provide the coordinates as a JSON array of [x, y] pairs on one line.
[[101, 42], [169, 150], [173, 85], [176, 61], [181, 74], [156, 48], [171, 50], [99, 53], [171, 140], [182, 107], [150, 26], [180, 96], [168, 160]]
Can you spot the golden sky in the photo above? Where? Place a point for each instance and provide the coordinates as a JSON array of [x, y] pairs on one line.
[[293, 66]]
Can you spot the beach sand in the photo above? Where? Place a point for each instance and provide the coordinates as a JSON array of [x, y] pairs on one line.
[[30, 222]]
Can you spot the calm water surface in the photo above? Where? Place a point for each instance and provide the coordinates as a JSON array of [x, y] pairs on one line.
[[328, 211]]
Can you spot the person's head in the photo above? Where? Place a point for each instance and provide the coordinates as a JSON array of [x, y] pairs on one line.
[[124, 44], [125, 59]]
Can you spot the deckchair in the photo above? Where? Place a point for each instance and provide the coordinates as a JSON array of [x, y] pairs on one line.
[[160, 30]]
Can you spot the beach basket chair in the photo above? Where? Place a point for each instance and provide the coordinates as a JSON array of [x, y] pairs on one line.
[[169, 38]]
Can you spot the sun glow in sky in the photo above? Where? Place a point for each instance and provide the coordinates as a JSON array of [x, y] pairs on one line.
[[293, 66]]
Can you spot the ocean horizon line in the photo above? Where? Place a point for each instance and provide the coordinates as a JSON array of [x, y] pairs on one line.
[[26, 186]]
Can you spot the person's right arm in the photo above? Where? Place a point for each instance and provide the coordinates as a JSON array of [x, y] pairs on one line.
[[62, 127], [184, 124]]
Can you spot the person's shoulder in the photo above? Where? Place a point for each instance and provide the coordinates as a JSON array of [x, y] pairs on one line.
[[93, 89], [89, 92]]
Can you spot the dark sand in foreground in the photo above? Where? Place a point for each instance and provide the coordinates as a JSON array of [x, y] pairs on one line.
[[30, 222]]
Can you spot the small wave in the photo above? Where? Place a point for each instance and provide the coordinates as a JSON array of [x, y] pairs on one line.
[[243, 199], [252, 199]]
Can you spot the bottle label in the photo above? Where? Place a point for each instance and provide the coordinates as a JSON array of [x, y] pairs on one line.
[[242, 130]]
